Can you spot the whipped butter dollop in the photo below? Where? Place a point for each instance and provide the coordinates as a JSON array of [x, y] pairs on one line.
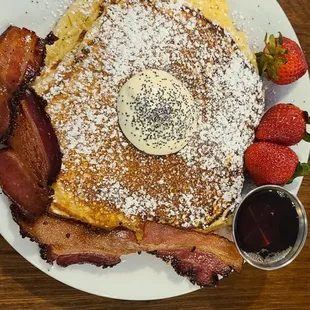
[[157, 114]]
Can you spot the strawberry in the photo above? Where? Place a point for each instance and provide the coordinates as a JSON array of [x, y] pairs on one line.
[[269, 163], [282, 60], [283, 124]]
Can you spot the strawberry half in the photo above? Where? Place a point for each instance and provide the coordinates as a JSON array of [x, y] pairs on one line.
[[282, 60], [283, 124], [269, 163]]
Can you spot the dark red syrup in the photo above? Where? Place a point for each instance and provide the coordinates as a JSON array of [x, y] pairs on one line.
[[267, 223]]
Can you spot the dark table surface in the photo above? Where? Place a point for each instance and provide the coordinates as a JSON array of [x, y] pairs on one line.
[[24, 287]]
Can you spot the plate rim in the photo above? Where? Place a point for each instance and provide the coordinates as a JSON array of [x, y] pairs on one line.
[[295, 189]]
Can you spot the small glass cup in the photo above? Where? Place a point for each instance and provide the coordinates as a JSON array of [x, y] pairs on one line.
[[301, 237]]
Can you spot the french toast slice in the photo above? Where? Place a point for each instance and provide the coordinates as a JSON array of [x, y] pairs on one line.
[[105, 181]]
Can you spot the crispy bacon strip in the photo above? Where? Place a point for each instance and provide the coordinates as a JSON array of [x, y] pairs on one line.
[[67, 242], [201, 268], [20, 185], [200, 257], [166, 238], [33, 160], [34, 139], [22, 55], [5, 113]]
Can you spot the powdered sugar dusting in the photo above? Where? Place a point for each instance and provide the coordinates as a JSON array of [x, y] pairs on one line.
[[199, 184]]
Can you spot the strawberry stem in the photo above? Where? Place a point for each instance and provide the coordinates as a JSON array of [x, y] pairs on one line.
[[302, 170], [271, 58]]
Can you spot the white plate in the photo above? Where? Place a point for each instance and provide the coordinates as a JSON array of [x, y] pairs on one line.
[[139, 277]]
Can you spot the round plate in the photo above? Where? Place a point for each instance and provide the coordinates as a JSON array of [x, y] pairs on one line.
[[141, 277]]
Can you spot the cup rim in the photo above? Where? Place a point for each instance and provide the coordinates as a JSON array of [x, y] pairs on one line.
[[298, 246]]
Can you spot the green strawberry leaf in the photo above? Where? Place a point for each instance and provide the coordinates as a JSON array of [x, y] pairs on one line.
[[306, 137], [262, 62], [280, 39], [272, 70], [302, 170], [272, 57], [307, 117], [272, 44]]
